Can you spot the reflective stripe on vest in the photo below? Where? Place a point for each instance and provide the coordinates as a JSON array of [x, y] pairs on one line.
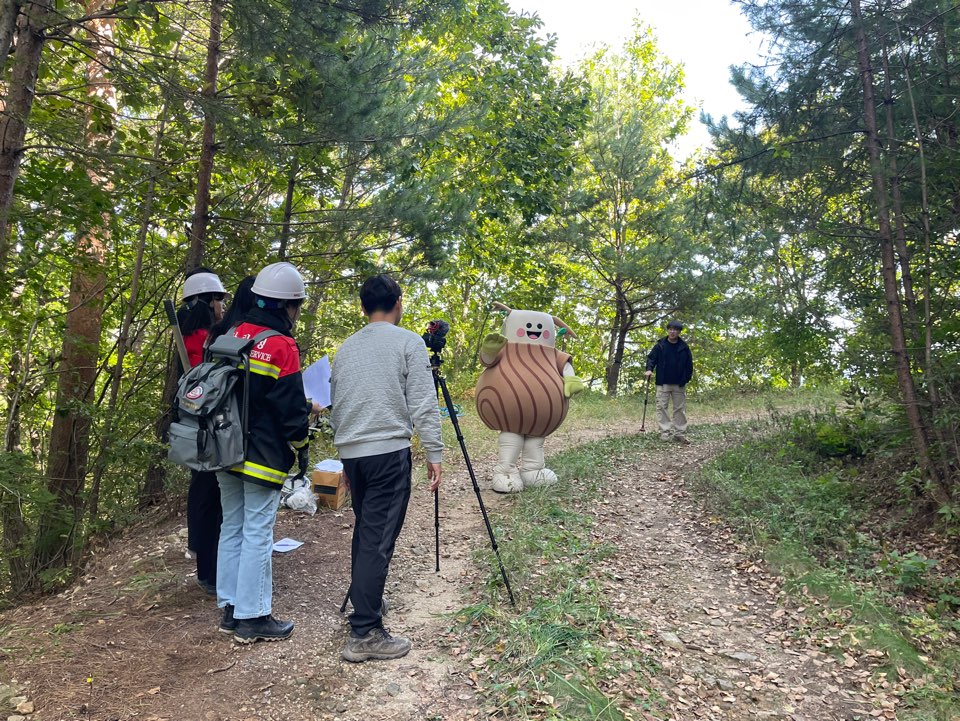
[[264, 473], [264, 369]]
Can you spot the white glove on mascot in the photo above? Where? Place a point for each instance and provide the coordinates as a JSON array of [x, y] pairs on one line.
[[523, 392]]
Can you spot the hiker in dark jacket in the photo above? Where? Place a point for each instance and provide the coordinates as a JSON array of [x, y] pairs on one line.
[[673, 362], [277, 438]]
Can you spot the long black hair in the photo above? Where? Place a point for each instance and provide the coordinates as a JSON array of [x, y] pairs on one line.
[[243, 301]]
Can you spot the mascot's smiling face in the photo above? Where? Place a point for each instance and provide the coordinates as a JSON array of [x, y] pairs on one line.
[[529, 326]]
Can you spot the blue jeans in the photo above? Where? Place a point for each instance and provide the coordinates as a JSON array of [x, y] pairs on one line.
[[245, 554]]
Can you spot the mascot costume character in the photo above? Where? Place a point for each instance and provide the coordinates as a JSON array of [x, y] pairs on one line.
[[523, 392]]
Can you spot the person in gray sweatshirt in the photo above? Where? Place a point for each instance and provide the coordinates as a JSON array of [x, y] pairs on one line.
[[381, 388]]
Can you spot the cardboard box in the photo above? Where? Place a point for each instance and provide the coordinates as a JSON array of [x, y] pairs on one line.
[[331, 489]]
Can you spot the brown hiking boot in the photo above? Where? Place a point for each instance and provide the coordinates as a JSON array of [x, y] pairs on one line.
[[378, 644]]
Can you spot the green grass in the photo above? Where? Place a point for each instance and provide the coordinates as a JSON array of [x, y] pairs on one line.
[[801, 498], [595, 411]]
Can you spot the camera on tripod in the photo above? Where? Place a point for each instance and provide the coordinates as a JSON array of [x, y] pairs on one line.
[[436, 335]]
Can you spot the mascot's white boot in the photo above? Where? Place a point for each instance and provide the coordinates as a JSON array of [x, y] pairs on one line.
[[533, 472], [507, 482], [506, 474], [536, 479]]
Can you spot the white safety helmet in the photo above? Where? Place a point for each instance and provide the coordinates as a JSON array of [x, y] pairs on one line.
[[200, 283], [280, 281]]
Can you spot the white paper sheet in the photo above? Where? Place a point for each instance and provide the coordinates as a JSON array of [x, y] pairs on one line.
[[316, 382], [330, 465], [286, 544]]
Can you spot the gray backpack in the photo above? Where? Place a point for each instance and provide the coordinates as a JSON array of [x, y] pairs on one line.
[[209, 430]]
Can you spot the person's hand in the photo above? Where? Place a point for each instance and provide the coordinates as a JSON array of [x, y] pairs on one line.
[[303, 459], [648, 374], [315, 408], [433, 475]]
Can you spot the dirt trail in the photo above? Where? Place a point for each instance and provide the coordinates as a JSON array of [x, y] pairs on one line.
[[137, 639], [728, 647]]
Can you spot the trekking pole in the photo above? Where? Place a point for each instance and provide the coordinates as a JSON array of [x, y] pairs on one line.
[[177, 335], [646, 397], [435, 362]]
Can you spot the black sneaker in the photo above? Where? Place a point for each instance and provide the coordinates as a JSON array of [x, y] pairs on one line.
[[209, 588], [228, 624], [378, 644], [263, 628]]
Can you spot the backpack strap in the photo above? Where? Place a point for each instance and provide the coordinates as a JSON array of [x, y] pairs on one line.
[[262, 336]]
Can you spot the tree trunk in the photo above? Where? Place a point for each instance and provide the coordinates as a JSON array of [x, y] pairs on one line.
[[9, 9], [153, 488], [201, 207], [613, 361], [891, 291], [13, 123], [57, 541], [623, 323], [288, 209], [900, 237], [933, 389], [14, 527]]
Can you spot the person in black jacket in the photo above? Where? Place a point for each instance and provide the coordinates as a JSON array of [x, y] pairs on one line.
[[673, 361], [277, 438]]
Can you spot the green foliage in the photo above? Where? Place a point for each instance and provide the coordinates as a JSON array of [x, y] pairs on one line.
[[625, 217], [801, 211], [908, 570]]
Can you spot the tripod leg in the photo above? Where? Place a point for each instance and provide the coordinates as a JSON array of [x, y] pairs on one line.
[[473, 479], [436, 523], [436, 493]]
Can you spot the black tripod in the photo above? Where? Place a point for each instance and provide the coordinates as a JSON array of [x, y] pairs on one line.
[[441, 384]]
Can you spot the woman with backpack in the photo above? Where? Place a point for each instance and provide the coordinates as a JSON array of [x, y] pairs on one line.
[[203, 296], [277, 436]]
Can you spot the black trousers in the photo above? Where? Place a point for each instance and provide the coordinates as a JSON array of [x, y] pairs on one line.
[[204, 517], [380, 489]]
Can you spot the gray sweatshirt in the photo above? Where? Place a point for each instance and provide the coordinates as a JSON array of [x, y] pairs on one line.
[[381, 388]]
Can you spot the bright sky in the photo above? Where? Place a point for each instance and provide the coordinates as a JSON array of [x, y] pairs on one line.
[[706, 36]]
